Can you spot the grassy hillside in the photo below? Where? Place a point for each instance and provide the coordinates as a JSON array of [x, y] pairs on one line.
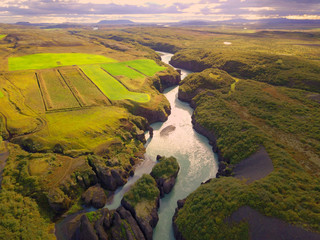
[[284, 121]]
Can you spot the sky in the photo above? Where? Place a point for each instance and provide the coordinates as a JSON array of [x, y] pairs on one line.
[[157, 11]]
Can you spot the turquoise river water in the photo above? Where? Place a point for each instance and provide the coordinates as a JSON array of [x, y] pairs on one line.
[[197, 161]]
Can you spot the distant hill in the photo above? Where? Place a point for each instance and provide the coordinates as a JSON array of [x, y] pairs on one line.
[[112, 22], [263, 23], [23, 23]]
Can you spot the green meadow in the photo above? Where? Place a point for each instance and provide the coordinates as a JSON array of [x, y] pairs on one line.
[[51, 60], [121, 69], [1, 94], [2, 36], [113, 89], [146, 66]]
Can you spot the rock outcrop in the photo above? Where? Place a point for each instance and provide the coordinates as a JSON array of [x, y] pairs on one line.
[[146, 222], [177, 233], [95, 196], [165, 173]]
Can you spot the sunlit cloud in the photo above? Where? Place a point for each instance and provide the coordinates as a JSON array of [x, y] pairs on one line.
[[154, 10]]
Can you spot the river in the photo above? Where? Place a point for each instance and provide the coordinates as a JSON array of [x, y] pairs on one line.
[[197, 161]]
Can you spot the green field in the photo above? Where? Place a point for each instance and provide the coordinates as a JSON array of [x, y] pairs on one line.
[[2, 36], [51, 60], [113, 89], [59, 94], [1, 94], [121, 69], [82, 87], [146, 66]]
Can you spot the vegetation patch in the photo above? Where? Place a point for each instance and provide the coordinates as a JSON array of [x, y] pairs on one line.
[[112, 88], [2, 36], [145, 190], [52, 60], [282, 120], [166, 168], [1, 94]]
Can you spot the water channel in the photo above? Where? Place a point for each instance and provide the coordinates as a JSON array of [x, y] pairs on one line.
[[197, 161]]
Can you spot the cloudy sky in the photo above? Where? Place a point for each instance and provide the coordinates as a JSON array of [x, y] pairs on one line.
[[154, 10]]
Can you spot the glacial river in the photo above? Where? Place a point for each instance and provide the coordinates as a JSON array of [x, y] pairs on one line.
[[197, 161]]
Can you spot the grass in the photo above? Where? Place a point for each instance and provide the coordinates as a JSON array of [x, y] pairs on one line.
[[1, 94], [146, 66], [286, 123], [112, 88], [59, 95], [52, 60], [129, 77], [2, 36], [86, 92], [143, 195], [82, 129]]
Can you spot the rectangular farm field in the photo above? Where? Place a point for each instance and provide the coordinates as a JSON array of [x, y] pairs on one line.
[[56, 93], [110, 86], [145, 66], [128, 76], [82, 87]]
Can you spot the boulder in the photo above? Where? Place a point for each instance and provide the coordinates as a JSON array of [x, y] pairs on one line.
[[95, 196]]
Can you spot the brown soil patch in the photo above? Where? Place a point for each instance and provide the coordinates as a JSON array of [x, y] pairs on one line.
[[263, 227], [255, 167]]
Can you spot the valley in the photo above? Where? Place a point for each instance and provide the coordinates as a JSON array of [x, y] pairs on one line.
[[82, 108]]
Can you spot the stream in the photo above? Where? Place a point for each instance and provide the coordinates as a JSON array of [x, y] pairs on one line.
[[197, 161]]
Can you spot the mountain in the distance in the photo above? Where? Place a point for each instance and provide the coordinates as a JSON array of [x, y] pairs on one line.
[[112, 22]]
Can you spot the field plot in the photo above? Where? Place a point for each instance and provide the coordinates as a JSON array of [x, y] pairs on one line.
[[128, 76], [145, 66], [51, 60], [85, 91], [56, 93], [27, 84], [2, 36], [111, 87], [1, 94]]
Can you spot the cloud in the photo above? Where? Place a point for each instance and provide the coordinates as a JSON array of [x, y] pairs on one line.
[[158, 10]]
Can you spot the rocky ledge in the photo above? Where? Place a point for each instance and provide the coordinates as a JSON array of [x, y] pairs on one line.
[[165, 173], [177, 233]]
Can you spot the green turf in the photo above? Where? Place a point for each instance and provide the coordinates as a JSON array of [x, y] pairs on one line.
[[2, 36], [121, 69], [51, 60], [146, 66], [1, 94], [110, 86]]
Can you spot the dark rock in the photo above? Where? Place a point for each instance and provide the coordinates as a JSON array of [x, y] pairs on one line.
[[126, 215], [168, 185], [86, 230], [181, 203], [150, 129], [168, 80], [95, 196], [99, 225], [147, 223], [140, 136]]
